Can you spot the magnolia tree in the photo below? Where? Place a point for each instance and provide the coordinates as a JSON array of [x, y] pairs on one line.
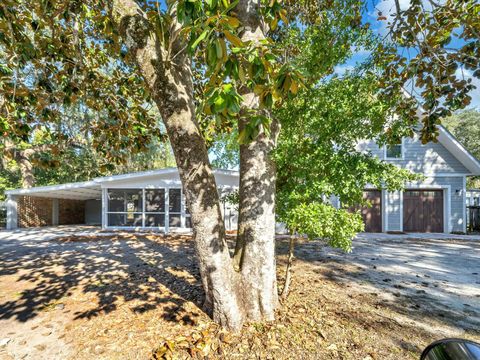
[[211, 67]]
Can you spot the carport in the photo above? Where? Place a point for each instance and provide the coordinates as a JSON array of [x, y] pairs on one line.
[[65, 204], [151, 200]]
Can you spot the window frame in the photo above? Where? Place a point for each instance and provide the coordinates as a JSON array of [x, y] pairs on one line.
[[402, 151], [143, 210], [124, 212]]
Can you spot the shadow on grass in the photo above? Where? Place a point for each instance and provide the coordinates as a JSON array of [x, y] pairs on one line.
[[150, 269]]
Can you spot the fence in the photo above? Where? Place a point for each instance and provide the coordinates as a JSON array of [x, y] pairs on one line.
[[473, 218]]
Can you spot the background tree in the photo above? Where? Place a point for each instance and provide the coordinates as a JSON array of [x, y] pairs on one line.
[[432, 50]]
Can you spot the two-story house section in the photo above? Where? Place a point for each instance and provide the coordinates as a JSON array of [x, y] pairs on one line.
[[435, 204]]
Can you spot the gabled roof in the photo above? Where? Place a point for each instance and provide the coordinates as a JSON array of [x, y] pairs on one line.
[[452, 144], [458, 150]]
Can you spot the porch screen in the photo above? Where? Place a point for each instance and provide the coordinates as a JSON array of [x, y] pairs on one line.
[[125, 207], [175, 207], [155, 208], [145, 208]]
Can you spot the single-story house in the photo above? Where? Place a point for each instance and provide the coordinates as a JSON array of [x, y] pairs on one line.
[[145, 200], [435, 204]]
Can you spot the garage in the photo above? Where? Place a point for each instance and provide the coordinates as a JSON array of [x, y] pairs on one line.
[[423, 211], [371, 214]]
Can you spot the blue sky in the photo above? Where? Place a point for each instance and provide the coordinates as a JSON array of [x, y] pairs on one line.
[[387, 8]]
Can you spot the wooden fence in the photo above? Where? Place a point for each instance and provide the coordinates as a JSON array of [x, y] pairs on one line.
[[473, 218]]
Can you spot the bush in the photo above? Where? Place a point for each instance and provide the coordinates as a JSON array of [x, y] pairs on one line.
[[320, 220]]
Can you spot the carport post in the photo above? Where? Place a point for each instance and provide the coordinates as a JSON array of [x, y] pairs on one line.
[[11, 212], [55, 212]]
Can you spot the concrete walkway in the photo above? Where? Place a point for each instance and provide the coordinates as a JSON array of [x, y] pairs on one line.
[[428, 236]]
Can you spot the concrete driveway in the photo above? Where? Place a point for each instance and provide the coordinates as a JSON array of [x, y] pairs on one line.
[[420, 275]]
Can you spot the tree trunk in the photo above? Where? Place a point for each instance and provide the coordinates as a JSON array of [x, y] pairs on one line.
[[255, 248], [171, 87], [26, 169], [256, 227], [288, 271], [22, 157]]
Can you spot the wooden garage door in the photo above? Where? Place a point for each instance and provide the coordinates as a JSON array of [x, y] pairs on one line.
[[423, 211], [372, 216]]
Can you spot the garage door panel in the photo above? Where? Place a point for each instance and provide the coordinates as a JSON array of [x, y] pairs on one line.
[[371, 215], [423, 211]]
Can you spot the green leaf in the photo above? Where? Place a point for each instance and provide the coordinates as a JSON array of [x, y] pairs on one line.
[[202, 36]]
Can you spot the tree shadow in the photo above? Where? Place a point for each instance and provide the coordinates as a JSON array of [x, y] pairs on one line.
[[418, 278], [149, 270]]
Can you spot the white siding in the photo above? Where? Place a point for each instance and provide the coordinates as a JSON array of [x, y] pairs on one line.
[[428, 159]]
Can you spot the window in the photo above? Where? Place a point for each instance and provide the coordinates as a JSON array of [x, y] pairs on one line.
[[146, 208], [394, 151], [125, 207], [155, 208]]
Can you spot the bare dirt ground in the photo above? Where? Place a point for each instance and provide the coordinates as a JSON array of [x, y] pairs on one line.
[[138, 296]]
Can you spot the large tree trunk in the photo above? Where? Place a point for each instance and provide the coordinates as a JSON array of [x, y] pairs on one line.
[[232, 296], [26, 168], [256, 227], [171, 87], [255, 248]]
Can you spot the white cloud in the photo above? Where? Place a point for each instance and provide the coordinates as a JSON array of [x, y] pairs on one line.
[[340, 70], [388, 9]]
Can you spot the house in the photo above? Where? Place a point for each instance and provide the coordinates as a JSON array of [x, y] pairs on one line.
[[145, 200], [154, 199], [435, 204]]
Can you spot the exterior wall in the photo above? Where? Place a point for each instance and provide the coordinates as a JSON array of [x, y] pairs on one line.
[[442, 170], [34, 211], [93, 212], [71, 212], [394, 215], [39, 211], [428, 159]]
